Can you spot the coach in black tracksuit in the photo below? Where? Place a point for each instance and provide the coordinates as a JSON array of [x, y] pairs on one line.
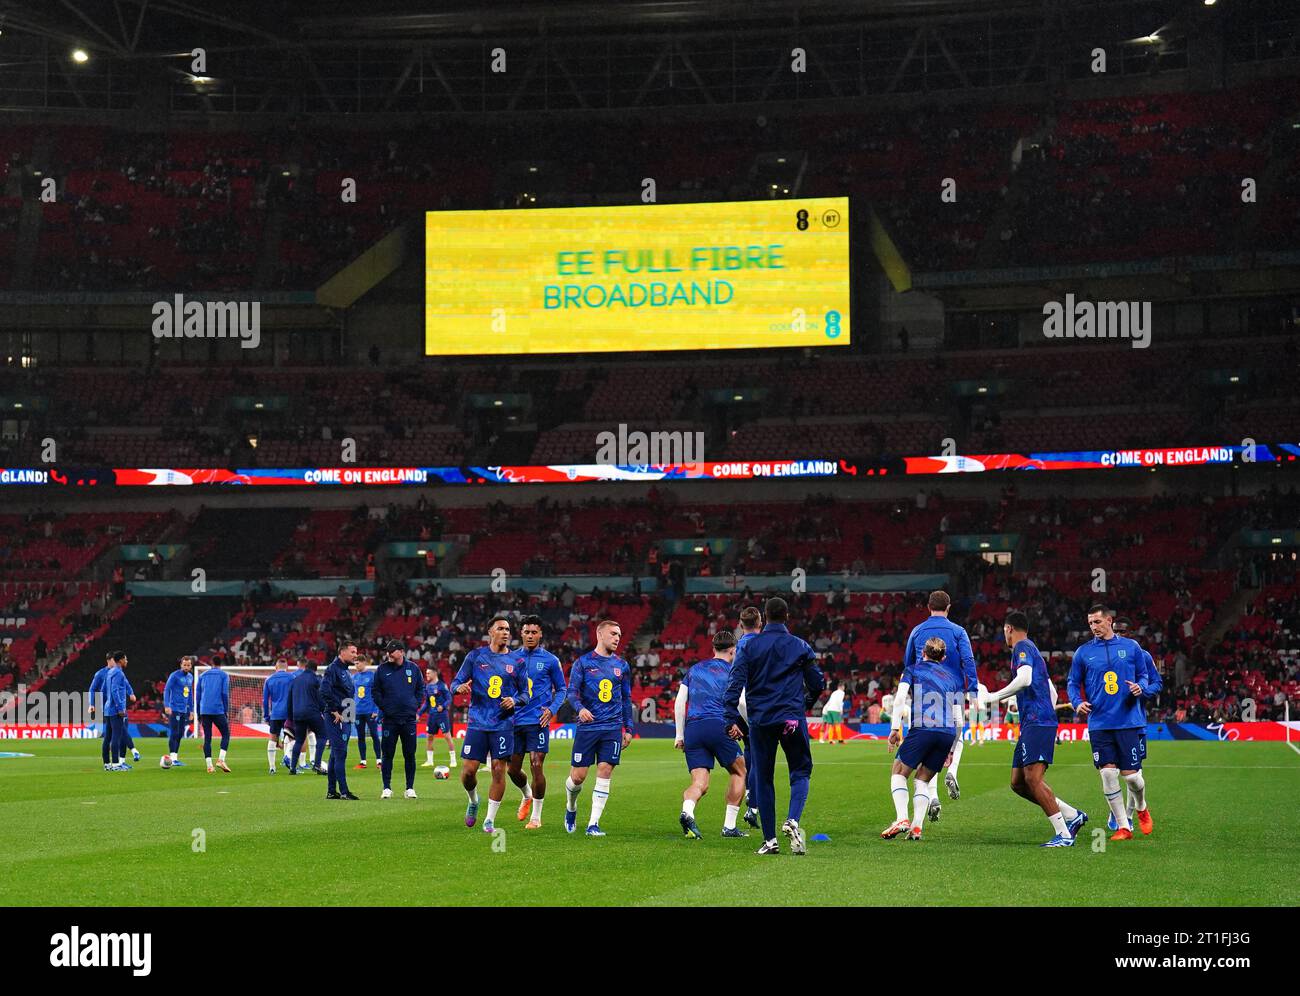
[[337, 691], [399, 693], [305, 707]]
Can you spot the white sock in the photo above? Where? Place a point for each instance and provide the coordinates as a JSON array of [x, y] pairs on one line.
[[428, 756], [957, 748], [1058, 824], [175, 757], [473, 796], [729, 822], [688, 808], [599, 796], [930, 786], [537, 811], [1068, 811], [1138, 787], [920, 802], [493, 806], [270, 753], [572, 792], [898, 789], [209, 760], [1114, 797], [526, 789], [311, 748], [223, 755]]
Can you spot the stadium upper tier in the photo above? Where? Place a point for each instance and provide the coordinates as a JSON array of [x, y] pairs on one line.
[[1085, 180], [1020, 401]]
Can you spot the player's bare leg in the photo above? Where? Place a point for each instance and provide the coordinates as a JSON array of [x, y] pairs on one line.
[[496, 792], [735, 793], [694, 793], [537, 762], [515, 771], [469, 781]]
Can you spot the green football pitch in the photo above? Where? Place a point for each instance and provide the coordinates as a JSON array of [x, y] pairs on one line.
[[1226, 815]]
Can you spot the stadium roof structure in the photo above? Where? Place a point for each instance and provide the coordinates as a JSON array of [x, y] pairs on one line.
[[403, 56]]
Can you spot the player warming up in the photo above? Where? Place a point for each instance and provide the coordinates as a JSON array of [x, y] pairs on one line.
[[367, 720], [1109, 678], [1036, 701], [961, 661], [702, 734], [275, 709], [437, 717], [774, 670], [178, 703], [600, 691], [213, 697], [496, 687], [751, 624], [935, 694], [546, 690]]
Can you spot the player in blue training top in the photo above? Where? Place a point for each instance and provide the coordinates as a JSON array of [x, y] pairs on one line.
[[600, 691], [936, 694], [178, 704], [961, 660], [1157, 684], [497, 687], [95, 697], [275, 710], [367, 721], [702, 734], [546, 690], [1109, 678], [128, 742], [436, 708], [751, 624], [777, 672], [114, 686], [212, 693], [1036, 701]]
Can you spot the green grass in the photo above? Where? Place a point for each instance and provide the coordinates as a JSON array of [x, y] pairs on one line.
[[1226, 816]]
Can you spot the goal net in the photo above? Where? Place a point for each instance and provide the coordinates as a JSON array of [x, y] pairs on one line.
[[245, 694]]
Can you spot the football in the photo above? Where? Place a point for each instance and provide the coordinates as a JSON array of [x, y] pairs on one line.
[[442, 772], [165, 761]]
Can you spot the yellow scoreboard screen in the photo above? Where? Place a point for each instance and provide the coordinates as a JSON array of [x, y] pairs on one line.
[[648, 277]]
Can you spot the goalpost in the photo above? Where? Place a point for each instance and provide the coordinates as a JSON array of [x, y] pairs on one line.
[[245, 699]]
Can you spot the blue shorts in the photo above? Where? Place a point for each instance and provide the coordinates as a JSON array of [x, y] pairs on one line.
[[480, 743], [706, 739], [592, 746], [1035, 746], [928, 748], [433, 726], [1126, 749], [277, 725], [533, 739]]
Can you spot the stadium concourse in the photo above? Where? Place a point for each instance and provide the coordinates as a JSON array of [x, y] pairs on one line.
[[1221, 620]]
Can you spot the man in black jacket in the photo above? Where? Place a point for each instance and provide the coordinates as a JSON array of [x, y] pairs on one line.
[[339, 707], [398, 693]]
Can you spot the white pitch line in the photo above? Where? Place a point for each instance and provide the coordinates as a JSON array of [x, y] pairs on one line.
[[1293, 746]]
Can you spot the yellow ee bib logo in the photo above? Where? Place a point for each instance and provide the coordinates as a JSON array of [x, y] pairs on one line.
[[1112, 682]]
